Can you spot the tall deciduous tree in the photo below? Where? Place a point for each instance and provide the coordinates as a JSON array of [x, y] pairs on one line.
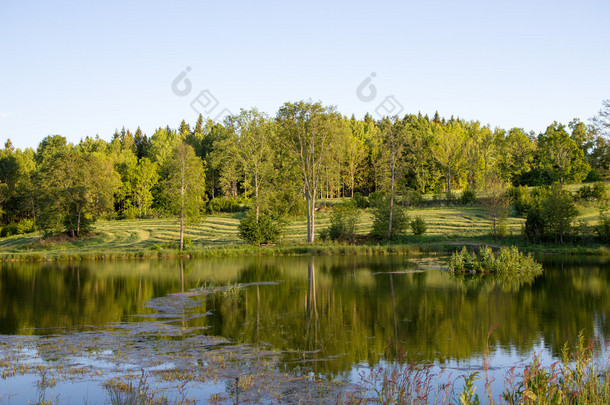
[[559, 211], [516, 153], [307, 130], [250, 143], [496, 203], [472, 152], [602, 120], [145, 177], [394, 135], [185, 185], [355, 150], [560, 155], [448, 150], [75, 189]]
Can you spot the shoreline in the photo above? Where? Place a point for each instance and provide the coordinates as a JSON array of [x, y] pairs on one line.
[[404, 247]]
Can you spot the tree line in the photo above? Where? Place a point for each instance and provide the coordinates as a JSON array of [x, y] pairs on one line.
[[282, 165]]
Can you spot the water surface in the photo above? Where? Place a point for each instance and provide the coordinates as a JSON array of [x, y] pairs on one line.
[[324, 316]]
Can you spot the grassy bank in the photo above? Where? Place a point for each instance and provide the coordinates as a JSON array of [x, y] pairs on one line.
[[217, 235]]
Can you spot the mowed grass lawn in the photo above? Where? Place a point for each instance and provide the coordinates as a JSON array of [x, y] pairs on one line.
[[221, 230]]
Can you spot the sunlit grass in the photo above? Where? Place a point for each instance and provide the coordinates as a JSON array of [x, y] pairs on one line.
[[219, 232]]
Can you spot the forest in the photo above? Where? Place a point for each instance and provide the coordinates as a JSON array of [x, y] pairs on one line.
[[279, 167]]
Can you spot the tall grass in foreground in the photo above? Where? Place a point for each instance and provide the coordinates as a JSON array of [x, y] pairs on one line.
[[578, 378]]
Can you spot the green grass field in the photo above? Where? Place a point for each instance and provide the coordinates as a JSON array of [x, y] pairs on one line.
[[219, 233]]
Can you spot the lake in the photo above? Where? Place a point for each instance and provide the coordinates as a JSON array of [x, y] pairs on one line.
[[327, 319]]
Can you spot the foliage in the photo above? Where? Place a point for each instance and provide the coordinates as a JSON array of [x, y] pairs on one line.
[[75, 189], [263, 229], [560, 156], [412, 198], [418, 226], [286, 202], [376, 198], [468, 197], [343, 221], [603, 228], [496, 204], [224, 204], [360, 201], [507, 261], [558, 211], [185, 185], [18, 228], [308, 130], [597, 192], [550, 214], [575, 379], [381, 214], [520, 197], [306, 150]]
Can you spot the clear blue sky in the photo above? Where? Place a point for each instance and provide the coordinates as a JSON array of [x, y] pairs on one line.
[[81, 68]]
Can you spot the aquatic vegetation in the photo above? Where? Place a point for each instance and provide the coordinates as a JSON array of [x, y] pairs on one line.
[[507, 261], [578, 378]]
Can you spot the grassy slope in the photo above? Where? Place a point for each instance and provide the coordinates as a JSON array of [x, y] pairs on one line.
[[135, 238]]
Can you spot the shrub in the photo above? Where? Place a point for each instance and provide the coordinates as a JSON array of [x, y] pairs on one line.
[[599, 191], [18, 228], [130, 213], [593, 175], [534, 225], [360, 201], [520, 198], [450, 198], [418, 225], [25, 226], [603, 228], [286, 202], [376, 198], [343, 220], [187, 243], [224, 204], [265, 230], [413, 199], [381, 222], [558, 211], [550, 214], [468, 197]]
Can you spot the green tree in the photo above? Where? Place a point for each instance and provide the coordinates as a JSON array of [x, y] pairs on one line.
[[307, 130], [373, 141], [355, 151], [583, 135], [343, 221], [419, 163], [125, 162], [602, 120], [145, 177], [448, 149], [259, 228], [185, 185], [516, 153], [496, 203], [251, 134], [75, 189], [472, 152], [560, 155], [381, 214], [394, 134], [558, 210]]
